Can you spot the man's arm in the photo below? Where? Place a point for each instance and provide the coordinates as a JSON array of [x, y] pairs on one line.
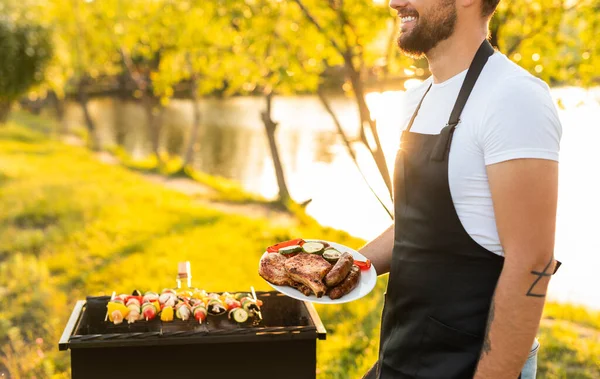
[[379, 250], [524, 193]]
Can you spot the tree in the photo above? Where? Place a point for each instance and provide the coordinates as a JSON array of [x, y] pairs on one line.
[[200, 40], [349, 28], [26, 50], [83, 54], [271, 56], [555, 40]]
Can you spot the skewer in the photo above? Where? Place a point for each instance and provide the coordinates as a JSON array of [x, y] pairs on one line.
[[112, 297], [256, 301]]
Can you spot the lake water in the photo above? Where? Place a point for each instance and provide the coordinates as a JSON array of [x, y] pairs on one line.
[[233, 144]]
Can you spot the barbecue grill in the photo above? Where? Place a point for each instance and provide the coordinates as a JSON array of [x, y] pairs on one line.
[[281, 345]]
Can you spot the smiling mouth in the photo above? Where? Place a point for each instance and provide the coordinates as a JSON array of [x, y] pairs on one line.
[[405, 19]]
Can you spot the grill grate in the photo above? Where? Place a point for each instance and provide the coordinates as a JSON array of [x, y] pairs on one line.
[[283, 318]]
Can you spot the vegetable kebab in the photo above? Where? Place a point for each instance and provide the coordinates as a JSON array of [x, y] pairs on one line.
[[171, 305]]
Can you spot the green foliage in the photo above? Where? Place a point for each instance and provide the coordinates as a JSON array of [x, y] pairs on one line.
[[555, 40], [26, 49]]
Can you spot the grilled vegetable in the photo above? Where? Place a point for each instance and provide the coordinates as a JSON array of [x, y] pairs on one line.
[[133, 300], [183, 311], [331, 255], [216, 307], [167, 298], [363, 265], [149, 311], [290, 250], [149, 297], [199, 294], [232, 303], [117, 312], [167, 314], [135, 313], [275, 248], [239, 315], [313, 248], [250, 305], [199, 313], [239, 296], [136, 293]]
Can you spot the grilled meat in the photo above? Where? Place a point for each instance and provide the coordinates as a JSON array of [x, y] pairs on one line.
[[308, 269], [272, 270], [302, 288], [340, 270], [347, 285]]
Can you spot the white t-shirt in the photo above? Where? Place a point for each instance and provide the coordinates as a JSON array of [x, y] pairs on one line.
[[509, 115]]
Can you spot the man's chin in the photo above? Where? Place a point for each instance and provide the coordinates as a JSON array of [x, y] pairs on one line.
[[410, 48]]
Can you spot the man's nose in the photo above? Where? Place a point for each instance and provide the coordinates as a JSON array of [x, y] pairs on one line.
[[397, 4]]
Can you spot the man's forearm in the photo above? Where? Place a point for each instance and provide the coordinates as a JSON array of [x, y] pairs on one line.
[[379, 250], [513, 320]]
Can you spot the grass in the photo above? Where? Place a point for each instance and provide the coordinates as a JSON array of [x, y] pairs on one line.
[[71, 226]]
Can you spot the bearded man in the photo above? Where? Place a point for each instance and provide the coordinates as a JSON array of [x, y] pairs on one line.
[[470, 253]]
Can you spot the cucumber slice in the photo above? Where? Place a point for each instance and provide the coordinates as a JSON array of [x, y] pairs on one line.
[[331, 255], [313, 248], [288, 250], [240, 315]]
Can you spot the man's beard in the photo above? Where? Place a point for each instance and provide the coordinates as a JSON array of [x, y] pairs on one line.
[[429, 30]]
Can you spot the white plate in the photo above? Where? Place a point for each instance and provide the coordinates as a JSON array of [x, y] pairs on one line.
[[368, 279]]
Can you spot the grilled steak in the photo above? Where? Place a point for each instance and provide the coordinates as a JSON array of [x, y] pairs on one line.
[[272, 269], [340, 270], [302, 288], [309, 269], [347, 285]]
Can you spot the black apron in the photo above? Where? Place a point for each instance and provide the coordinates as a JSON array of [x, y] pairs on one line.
[[441, 281]]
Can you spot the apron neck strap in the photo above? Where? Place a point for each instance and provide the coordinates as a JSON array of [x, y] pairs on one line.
[[442, 147], [480, 59]]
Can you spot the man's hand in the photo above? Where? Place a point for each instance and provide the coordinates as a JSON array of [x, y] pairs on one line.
[[524, 192]]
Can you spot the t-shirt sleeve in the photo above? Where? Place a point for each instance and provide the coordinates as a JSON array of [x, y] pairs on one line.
[[520, 121]]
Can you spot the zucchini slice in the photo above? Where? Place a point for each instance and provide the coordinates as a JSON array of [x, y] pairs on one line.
[[331, 255], [313, 248], [290, 250], [240, 315]]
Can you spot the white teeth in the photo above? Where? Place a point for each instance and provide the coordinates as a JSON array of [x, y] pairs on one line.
[[408, 18]]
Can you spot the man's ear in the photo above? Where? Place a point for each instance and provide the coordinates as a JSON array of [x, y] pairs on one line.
[[467, 3]]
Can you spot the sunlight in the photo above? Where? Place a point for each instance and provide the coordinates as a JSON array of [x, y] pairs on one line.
[[412, 83]]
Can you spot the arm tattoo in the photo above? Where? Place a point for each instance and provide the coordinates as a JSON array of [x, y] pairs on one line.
[[540, 275], [487, 343]]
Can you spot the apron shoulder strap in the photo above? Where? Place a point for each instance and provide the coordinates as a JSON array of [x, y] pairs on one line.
[[442, 146]]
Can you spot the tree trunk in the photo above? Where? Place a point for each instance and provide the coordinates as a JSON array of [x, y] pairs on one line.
[[270, 128], [5, 106], [365, 118], [58, 105], [154, 122], [119, 114], [189, 151], [351, 152], [82, 96]]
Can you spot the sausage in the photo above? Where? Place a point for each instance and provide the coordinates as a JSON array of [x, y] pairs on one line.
[[340, 270], [347, 285]]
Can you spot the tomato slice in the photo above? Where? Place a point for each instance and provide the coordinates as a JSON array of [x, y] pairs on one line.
[[363, 265], [275, 248]]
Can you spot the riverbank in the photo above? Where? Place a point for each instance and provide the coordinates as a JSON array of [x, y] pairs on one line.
[[73, 225]]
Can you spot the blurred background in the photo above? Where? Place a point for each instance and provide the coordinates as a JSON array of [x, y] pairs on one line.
[[137, 134]]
